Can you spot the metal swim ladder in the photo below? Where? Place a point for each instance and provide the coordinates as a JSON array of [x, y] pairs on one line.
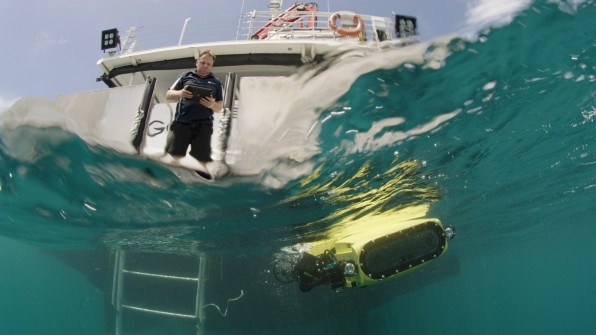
[[157, 284]]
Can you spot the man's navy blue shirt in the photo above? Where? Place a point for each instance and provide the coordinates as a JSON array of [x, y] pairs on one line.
[[190, 112]]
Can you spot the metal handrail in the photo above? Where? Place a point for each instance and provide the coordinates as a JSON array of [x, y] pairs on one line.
[[313, 25], [317, 29]]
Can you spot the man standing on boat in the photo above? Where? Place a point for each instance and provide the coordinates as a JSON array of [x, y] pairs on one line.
[[193, 121]]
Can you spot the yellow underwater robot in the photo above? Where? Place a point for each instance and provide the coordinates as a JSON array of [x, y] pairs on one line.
[[368, 250]]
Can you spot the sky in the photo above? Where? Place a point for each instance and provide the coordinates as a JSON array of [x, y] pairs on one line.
[[51, 47]]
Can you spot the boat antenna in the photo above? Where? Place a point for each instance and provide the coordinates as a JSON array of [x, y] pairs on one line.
[[183, 31], [239, 20]]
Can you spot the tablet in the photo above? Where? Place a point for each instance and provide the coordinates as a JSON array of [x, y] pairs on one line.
[[198, 92]]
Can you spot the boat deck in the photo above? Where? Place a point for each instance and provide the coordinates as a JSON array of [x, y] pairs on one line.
[[268, 43]]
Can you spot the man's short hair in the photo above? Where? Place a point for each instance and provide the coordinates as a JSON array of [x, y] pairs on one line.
[[207, 52]]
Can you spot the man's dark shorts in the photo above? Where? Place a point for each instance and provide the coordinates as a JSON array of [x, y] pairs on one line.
[[197, 135]]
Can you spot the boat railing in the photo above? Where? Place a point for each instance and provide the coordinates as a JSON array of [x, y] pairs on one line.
[[258, 25], [267, 25]]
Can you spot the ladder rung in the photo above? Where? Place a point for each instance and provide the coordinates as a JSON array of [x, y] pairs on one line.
[[187, 316], [147, 274]]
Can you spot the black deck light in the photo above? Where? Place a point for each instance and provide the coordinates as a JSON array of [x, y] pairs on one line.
[[110, 39], [405, 26]]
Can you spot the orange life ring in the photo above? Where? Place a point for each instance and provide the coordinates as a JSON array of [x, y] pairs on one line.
[[343, 31]]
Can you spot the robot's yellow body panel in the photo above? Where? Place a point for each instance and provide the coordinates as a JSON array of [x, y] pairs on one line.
[[372, 249]]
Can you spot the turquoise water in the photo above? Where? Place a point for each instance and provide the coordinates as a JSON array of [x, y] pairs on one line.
[[511, 163]]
